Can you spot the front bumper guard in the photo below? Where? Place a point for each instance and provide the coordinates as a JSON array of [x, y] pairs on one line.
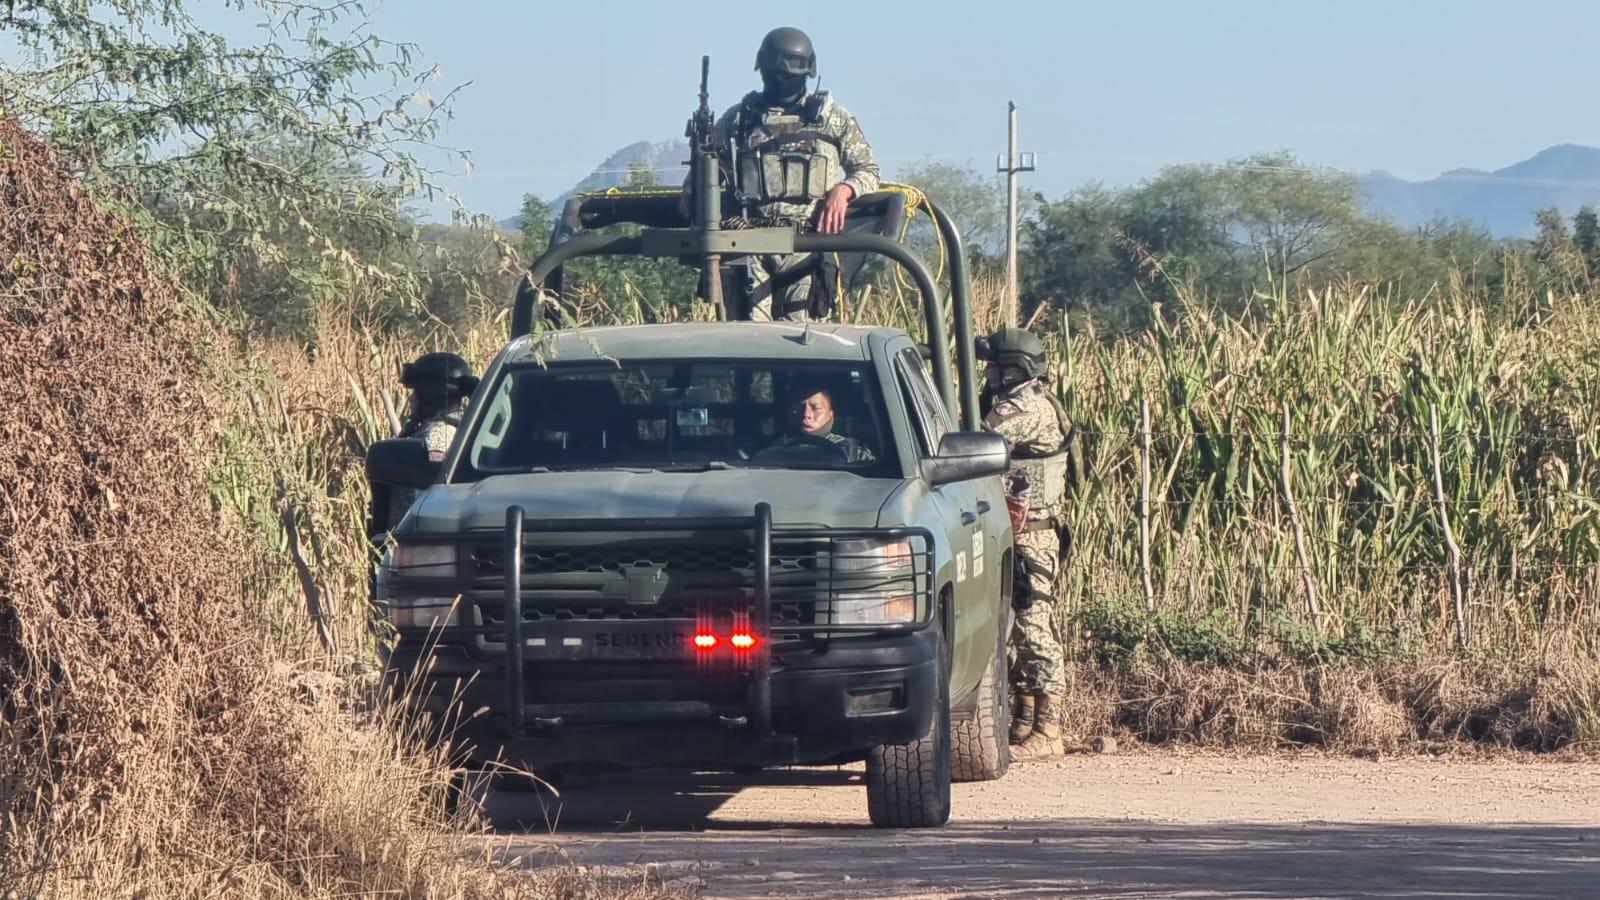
[[754, 716]]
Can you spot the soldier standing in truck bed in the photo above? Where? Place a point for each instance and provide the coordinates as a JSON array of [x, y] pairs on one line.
[[796, 157]]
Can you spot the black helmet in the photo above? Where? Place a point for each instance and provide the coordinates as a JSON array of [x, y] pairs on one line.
[[1013, 347], [439, 373], [786, 51]]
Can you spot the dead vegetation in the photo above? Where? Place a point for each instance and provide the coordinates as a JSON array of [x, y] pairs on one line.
[[1387, 706], [154, 741]]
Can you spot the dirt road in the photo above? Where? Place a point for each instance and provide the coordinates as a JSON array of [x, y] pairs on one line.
[[1120, 826]]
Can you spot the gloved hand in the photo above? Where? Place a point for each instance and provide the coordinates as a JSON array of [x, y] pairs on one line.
[[1017, 497], [1021, 587]]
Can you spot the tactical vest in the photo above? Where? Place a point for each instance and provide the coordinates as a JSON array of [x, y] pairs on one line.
[[783, 157], [395, 500], [413, 426], [1046, 471], [1047, 478]]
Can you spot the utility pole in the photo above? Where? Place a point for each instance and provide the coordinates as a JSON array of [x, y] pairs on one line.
[[1012, 163]]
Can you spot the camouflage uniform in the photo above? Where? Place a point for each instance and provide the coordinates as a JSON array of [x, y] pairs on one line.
[[1035, 655], [854, 451], [435, 432], [816, 143], [1034, 425]]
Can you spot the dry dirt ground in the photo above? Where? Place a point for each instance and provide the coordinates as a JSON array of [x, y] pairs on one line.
[[1138, 825]]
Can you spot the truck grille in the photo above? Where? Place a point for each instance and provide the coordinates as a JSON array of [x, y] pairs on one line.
[[643, 581]]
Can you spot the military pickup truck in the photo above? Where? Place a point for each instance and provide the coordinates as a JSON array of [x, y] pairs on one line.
[[634, 555], [715, 545]]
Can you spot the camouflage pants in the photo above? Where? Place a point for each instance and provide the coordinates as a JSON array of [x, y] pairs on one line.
[[1035, 654], [794, 299]]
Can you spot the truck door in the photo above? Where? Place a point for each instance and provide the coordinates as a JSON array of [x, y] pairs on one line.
[[962, 523]]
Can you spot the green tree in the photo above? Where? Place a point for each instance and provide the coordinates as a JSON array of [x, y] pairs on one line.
[[535, 221], [1075, 253], [1291, 217], [1555, 251], [649, 289], [283, 164], [640, 175], [1586, 234], [976, 202]]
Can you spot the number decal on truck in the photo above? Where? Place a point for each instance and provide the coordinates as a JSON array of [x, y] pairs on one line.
[[977, 553], [961, 567]]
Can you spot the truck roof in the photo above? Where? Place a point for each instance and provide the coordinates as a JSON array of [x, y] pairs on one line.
[[711, 340]]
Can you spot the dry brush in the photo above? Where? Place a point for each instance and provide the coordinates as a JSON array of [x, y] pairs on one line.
[[163, 732]]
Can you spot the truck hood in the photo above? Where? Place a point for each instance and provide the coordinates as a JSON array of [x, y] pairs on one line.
[[834, 499]]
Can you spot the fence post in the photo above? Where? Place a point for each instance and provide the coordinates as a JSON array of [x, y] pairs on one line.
[[1144, 504], [1307, 576], [1452, 551]]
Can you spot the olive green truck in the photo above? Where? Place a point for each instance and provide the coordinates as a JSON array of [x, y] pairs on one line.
[[636, 554]]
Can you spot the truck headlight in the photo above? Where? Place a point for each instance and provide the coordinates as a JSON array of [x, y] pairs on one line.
[[871, 555], [425, 612], [874, 609], [424, 560]]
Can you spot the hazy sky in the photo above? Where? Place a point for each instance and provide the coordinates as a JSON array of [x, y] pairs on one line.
[[1108, 91]]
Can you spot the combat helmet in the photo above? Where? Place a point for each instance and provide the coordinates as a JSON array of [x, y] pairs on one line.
[[439, 374], [786, 51], [1014, 347]]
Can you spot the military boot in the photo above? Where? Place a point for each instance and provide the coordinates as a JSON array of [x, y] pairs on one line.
[[1021, 717], [1045, 741]]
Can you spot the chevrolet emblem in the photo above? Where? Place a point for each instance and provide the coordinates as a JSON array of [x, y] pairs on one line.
[[641, 585]]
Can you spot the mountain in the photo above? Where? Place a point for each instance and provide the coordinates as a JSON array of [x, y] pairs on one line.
[[662, 160], [1565, 176]]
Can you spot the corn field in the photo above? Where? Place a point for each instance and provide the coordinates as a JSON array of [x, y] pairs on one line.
[[1333, 476]]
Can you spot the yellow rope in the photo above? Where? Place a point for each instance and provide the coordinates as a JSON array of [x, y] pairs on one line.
[[915, 200], [626, 191]]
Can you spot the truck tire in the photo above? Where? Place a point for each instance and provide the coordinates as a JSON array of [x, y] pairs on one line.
[[908, 785], [979, 738]]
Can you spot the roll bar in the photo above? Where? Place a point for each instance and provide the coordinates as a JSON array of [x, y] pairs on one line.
[[571, 242]]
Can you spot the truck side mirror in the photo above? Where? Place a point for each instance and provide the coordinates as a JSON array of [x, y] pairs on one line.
[[401, 461], [966, 455]]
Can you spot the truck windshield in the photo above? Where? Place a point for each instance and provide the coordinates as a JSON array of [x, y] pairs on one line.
[[679, 416]]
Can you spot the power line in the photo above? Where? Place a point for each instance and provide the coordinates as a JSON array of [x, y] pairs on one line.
[[1032, 157]]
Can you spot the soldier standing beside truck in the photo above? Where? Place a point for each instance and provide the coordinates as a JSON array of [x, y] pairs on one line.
[[1022, 409], [440, 384]]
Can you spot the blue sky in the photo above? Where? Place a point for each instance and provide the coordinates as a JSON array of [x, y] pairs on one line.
[[1108, 91]]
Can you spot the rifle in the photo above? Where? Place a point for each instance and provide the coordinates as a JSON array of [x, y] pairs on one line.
[[705, 185]]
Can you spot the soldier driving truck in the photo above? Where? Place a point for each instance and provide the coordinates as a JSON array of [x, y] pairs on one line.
[[795, 158], [715, 546], [812, 421]]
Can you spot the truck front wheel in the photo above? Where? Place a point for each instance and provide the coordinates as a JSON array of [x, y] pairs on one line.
[[908, 785], [982, 752]]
